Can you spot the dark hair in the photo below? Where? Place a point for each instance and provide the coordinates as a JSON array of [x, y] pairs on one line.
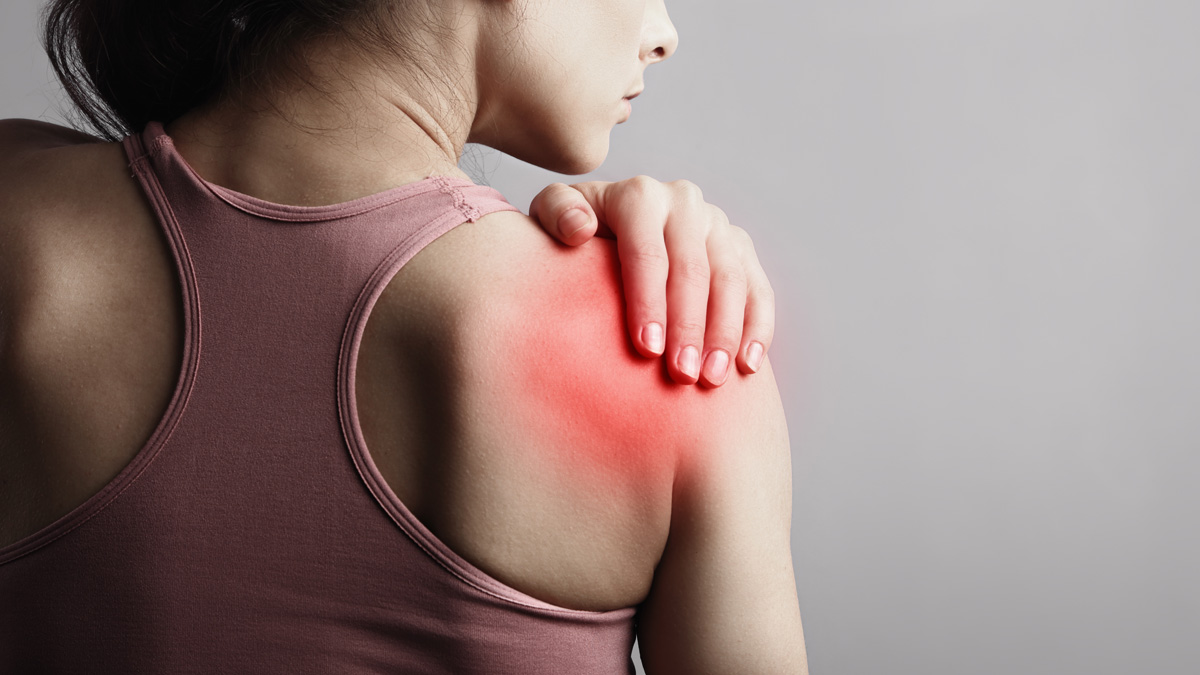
[[126, 62]]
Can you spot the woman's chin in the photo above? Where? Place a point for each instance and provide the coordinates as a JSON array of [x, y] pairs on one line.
[[586, 167], [569, 157], [589, 159], [578, 163]]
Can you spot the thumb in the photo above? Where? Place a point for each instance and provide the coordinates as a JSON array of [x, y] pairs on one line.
[[596, 192], [564, 213]]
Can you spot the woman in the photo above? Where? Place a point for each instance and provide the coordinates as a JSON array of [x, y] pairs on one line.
[[284, 390]]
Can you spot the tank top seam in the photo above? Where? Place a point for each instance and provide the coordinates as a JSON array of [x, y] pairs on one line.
[[412, 528], [185, 377], [268, 211], [161, 145], [469, 211]]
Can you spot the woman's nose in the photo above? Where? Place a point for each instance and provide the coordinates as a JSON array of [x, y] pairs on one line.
[[659, 38]]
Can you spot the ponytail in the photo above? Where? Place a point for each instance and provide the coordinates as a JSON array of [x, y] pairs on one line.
[[124, 63]]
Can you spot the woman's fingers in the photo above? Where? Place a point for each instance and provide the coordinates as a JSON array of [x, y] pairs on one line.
[[564, 213], [688, 282], [726, 308], [642, 253], [759, 327]]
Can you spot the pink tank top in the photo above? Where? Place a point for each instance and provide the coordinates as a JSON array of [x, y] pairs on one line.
[[253, 533]]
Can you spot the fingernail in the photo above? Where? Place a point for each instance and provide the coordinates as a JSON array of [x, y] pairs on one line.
[[716, 366], [571, 222], [689, 361], [652, 337], [754, 356]]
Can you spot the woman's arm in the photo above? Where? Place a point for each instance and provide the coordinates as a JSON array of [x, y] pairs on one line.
[[723, 599]]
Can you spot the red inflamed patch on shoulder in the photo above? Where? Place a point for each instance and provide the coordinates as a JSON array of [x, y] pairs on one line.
[[571, 378]]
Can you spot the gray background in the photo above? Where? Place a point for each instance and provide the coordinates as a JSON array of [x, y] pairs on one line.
[[980, 218]]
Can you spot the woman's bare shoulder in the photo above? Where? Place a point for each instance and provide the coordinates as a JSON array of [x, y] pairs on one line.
[[556, 401], [548, 322], [551, 320], [43, 163], [541, 326], [28, 130], [556, 435], [56, 182], [20, 137], [60, 184]]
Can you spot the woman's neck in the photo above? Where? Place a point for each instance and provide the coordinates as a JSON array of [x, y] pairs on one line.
[[307, 147]]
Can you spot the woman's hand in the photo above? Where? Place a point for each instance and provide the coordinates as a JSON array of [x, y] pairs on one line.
[[679, 256]]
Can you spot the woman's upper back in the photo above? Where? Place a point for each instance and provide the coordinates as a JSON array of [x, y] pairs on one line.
[[460, 358], [253, 498], [496, 390]]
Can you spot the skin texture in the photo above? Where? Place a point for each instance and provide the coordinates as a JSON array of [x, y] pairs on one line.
[[625, 490]]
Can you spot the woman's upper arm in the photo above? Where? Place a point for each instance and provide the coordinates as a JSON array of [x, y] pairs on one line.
[[723, 599]]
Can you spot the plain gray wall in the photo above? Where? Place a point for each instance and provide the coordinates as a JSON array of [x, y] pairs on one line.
[[981, 222]]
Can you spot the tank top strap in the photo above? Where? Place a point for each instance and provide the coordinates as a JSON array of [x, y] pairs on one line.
[[154, 151]]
